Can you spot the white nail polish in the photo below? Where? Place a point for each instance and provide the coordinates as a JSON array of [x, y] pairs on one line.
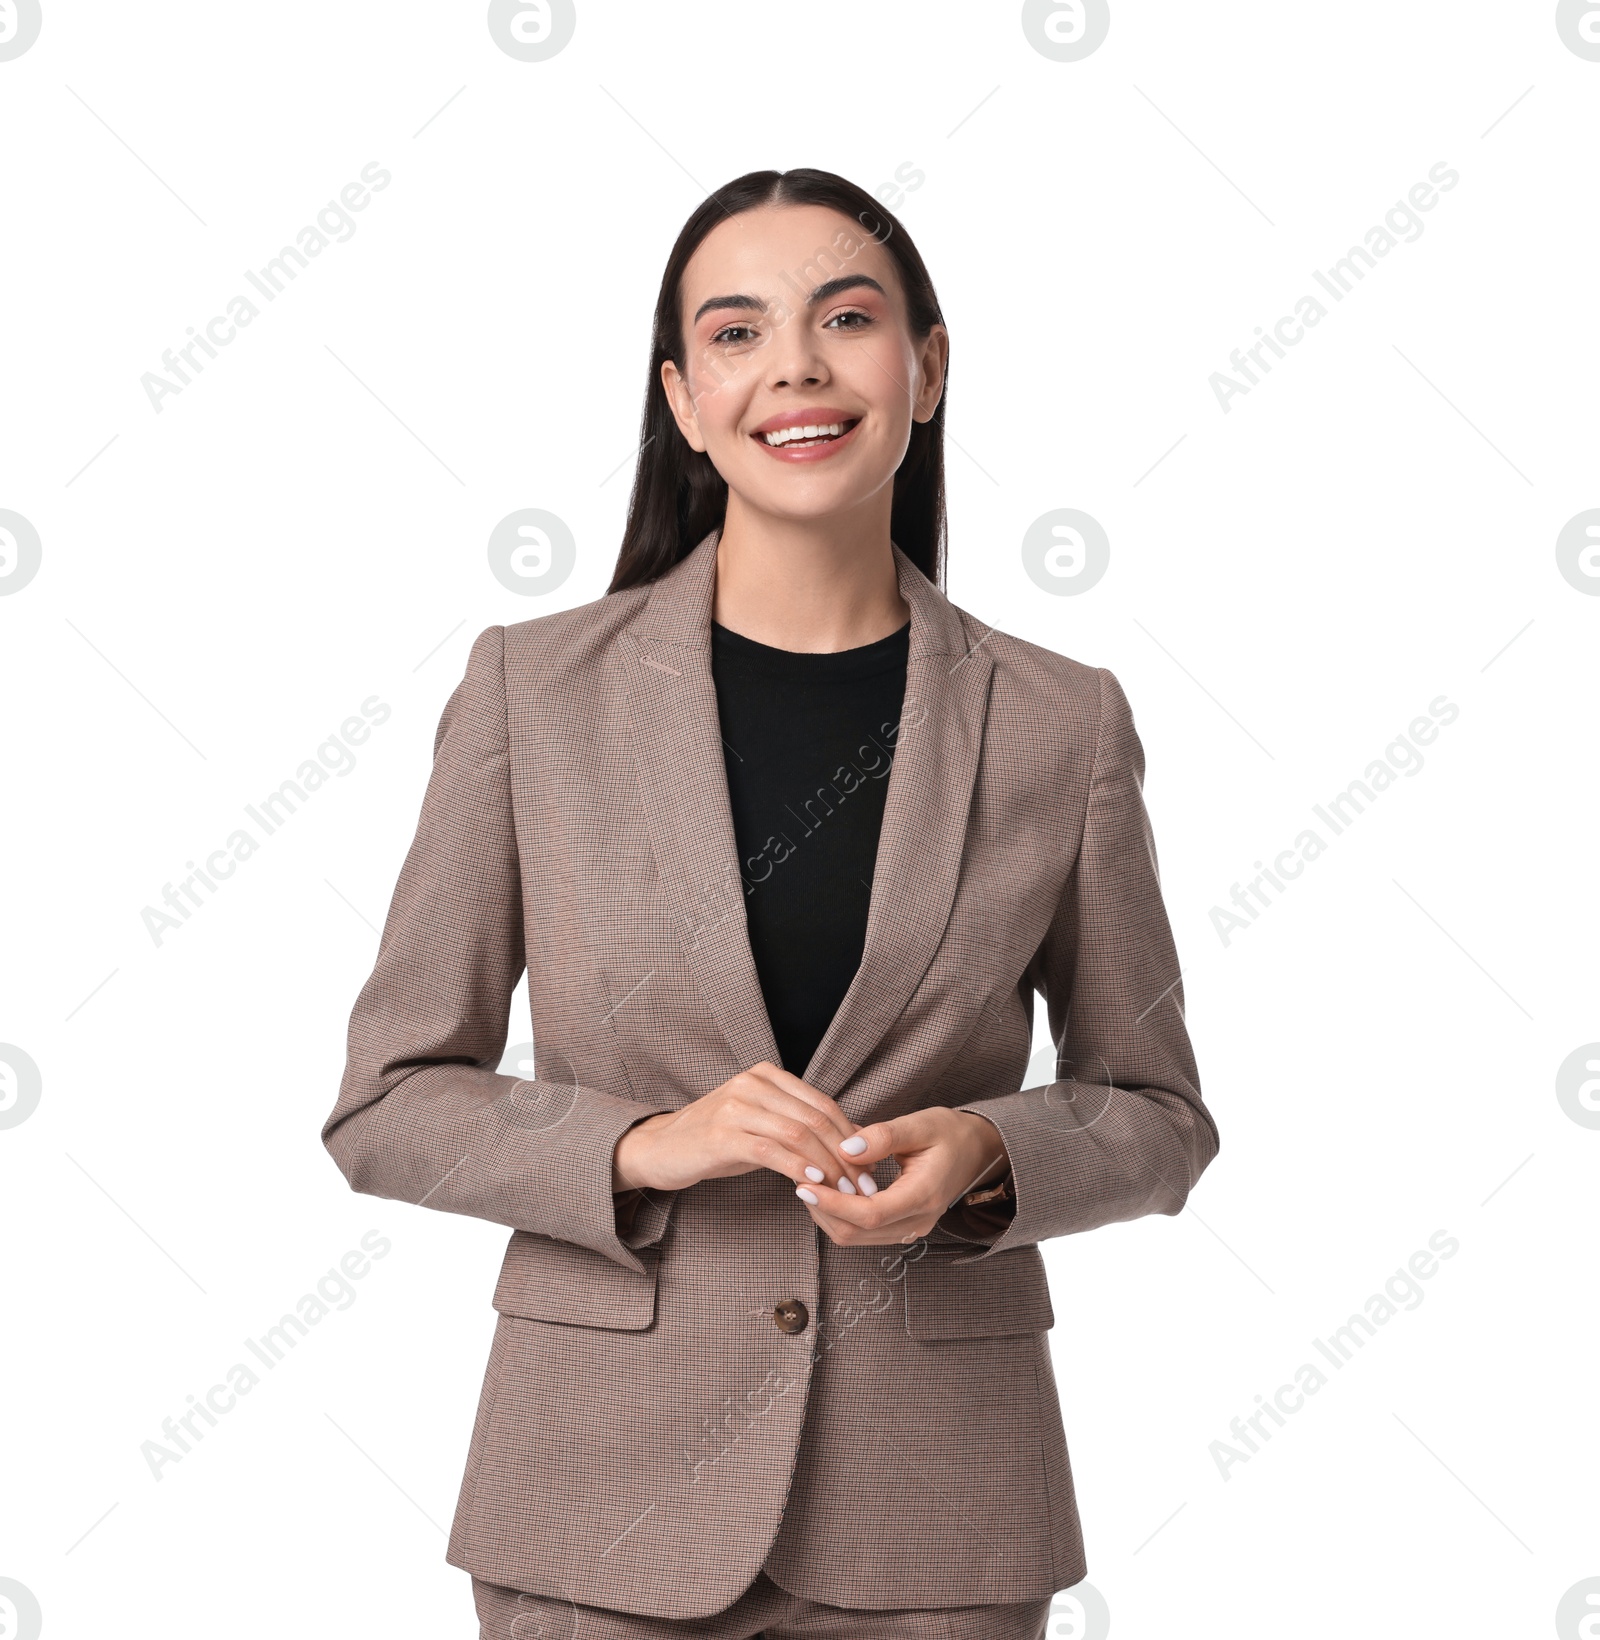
[[815, 1174], [805, 1195], [868, 1188], [845, 1186], [854, 1145]]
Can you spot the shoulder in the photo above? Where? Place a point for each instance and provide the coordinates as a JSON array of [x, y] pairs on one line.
[[545, 657], [1030, 677], [562, 641], [567, 638], [1051, 702]]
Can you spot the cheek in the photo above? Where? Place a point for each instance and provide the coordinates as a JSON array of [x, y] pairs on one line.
[[715, 403], [883, 376]]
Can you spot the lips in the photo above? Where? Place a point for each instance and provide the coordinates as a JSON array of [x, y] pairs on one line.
[[807, 431], [806, 436], [806, 415]]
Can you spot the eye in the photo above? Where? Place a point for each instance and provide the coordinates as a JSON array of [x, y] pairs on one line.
[[852, 313], [724, 334]]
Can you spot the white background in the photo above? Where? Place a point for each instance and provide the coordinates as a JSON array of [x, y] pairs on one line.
[[1290, 584]]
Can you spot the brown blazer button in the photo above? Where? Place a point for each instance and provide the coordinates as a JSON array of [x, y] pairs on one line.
[[790, 1316]]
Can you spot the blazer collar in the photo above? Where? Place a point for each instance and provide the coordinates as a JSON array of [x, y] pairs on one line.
[[677, 744], [679, 606]]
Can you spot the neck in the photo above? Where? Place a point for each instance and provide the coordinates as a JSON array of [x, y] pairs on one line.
[[802, 585]]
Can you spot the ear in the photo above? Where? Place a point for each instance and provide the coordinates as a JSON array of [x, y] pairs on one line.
[[931, 359], [681, 402]]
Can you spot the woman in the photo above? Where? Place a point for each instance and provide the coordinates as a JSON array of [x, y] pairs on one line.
[[786, 842]]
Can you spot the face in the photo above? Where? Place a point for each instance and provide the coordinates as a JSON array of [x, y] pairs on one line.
[[793, 316]]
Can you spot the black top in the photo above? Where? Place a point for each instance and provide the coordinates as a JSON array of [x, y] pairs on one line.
[[808, 741]]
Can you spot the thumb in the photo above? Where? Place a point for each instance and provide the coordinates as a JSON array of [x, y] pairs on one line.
[[881, 1139]]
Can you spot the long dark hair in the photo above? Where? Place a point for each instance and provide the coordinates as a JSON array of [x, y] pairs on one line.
[[678, 496]]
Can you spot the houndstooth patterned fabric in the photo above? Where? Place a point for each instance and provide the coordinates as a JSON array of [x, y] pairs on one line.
[[763, 1612], [648, 1438]]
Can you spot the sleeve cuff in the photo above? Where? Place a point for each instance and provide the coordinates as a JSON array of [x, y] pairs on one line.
[[981, 1223], [642, 1216]]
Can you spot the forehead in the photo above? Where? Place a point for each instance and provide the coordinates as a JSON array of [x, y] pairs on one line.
[[779, 253]]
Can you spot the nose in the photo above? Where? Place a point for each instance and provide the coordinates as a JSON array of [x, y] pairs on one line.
[[795, 359]]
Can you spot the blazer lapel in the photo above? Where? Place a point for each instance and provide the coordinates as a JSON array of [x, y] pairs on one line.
[[677, 745], [922, 842]]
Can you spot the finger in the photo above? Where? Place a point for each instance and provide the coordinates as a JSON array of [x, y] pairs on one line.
[[797, 1088], [852, 1220], [931, 1177], [904, 1198], [877, 1140], [922, 1191], [830, 1163], [804, 1137]]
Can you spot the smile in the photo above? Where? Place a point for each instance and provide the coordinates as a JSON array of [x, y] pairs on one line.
[[809, 440]]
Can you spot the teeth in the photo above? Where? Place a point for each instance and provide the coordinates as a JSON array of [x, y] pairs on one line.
[[792, 435]]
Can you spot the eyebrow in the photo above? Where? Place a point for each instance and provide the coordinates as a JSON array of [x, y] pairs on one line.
[[832, 287]]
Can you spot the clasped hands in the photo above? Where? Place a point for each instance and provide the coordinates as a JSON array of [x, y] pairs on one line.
[[766, 1117]]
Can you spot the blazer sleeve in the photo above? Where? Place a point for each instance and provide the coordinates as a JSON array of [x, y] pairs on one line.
[[1124, 1131], [423, 1115]]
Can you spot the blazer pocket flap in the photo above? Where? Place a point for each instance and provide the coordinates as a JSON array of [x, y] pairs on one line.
[[548, 1280], [989, 1298]]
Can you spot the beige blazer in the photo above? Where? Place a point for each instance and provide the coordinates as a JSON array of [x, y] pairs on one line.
[[687, 1387]]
